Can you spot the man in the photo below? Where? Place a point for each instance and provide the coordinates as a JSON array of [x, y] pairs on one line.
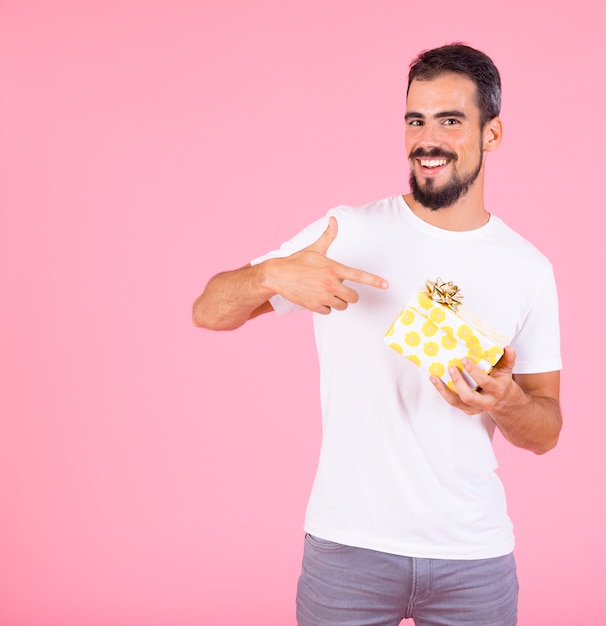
[[407, 517]]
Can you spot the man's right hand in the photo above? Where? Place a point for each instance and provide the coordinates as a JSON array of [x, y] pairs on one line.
[[312, 280]]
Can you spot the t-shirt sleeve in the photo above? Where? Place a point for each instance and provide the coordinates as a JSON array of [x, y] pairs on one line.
[[537, 344], [301, 240]]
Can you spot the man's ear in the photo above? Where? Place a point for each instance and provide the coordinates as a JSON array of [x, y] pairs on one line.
[[493, 134]]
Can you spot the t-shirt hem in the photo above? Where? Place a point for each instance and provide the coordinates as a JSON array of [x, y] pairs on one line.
[[416, 550], [537, 367]]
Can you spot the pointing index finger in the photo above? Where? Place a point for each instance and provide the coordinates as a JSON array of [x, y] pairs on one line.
[[362, 277]]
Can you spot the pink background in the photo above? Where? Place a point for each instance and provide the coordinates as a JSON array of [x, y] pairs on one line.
[[155, 474]]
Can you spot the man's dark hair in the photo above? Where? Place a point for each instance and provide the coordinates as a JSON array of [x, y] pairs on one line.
[[462, 59]]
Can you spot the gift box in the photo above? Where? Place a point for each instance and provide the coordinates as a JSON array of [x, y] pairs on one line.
[[435, 331]]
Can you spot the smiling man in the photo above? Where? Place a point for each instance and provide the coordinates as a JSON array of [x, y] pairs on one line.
[[407, 517], [436, 136]]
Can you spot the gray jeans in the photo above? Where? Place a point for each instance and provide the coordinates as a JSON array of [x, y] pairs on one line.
[[345, 586]]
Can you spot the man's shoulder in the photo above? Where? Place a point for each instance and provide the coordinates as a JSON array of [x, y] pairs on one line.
[[507, 237]]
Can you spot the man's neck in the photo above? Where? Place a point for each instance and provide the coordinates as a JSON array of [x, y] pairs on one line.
[[468, 213]]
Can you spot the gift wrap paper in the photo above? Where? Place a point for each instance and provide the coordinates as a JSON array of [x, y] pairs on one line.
[[435, 337]]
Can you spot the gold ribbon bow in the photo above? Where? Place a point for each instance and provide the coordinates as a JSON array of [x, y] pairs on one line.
[[444, 293]]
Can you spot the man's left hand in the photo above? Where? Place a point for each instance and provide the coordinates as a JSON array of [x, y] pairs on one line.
[[493, 389]]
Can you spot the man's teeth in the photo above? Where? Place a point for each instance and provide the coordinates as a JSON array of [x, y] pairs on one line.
[[433, 162]]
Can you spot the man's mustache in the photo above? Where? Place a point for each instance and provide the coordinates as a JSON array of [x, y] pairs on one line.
[[434, 153]]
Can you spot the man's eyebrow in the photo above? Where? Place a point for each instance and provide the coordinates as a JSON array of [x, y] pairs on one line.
[[412, 114], [458, 114], [441, 115]]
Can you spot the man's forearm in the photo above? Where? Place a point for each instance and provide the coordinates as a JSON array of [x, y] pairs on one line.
[[231, 299], [530, 422]]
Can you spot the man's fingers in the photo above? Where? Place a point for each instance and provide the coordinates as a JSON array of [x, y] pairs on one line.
[[362, 277], [507, 361], [339, 304], [327, 237]]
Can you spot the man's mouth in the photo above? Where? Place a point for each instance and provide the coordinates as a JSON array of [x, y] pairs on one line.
[[431, 163], [432, 166]]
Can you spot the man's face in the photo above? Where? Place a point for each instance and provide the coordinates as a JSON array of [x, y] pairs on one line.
[[443, 139]]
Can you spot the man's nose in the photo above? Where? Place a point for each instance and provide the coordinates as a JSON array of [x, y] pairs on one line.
[[429, 136]]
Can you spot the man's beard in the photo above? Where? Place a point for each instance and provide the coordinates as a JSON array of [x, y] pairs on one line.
[[454, 188]]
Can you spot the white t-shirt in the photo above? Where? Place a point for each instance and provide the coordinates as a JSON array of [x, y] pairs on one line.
[[400, 470]]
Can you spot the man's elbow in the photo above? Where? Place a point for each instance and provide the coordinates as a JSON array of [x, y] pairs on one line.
[[550, 442], [546, 445], [201, 317], [198, 320]]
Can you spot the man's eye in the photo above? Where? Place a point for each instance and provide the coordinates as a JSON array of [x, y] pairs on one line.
[[415, 123], [450, 121]]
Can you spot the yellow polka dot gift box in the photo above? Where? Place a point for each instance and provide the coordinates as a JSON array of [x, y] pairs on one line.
[[435, 331]]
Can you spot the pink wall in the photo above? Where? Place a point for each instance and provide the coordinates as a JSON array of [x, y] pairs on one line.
[[155, 474]]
